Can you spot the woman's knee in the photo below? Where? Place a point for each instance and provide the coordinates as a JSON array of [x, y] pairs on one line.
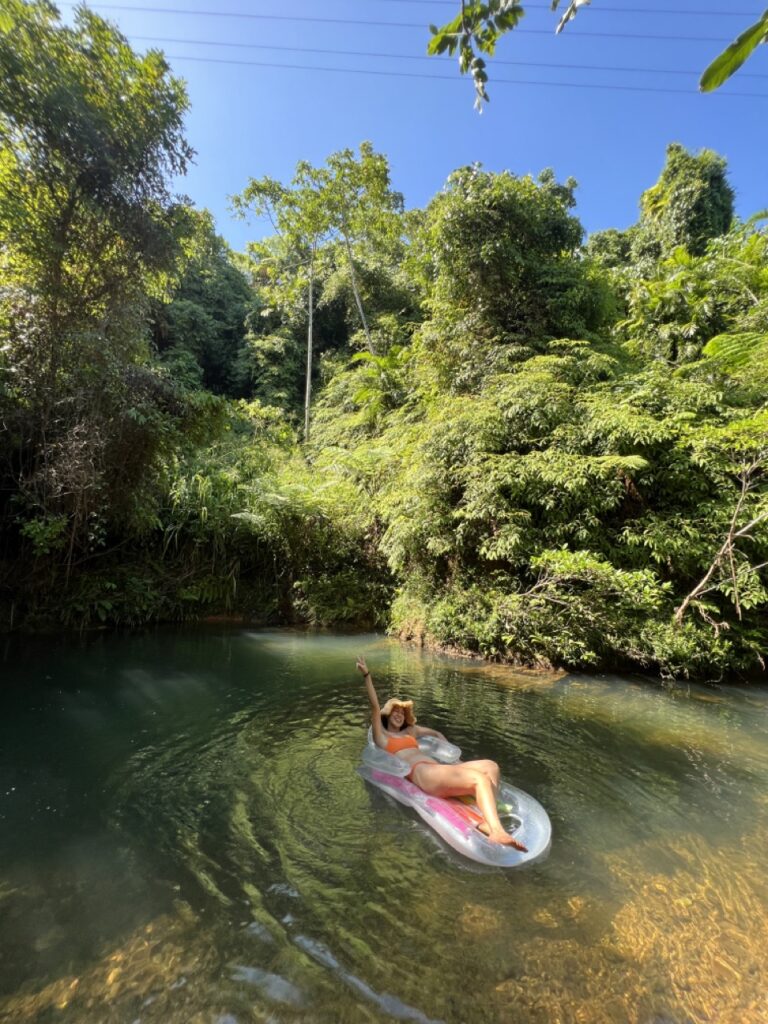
[[473, 775], [489, 768], [482, 780]]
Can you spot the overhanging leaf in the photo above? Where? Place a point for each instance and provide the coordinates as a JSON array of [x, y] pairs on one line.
[[731, 59], [570, 13]]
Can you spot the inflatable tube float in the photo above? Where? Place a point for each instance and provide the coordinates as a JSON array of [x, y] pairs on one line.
[[455, 819]]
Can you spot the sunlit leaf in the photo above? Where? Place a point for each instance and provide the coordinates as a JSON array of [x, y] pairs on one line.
[[731, 59]]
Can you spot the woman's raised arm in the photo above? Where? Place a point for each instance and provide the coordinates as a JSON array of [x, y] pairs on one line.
[[376, 726]]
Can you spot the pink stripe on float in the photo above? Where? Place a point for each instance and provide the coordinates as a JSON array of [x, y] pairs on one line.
[[439, 807], [446, 811], [394, 781]]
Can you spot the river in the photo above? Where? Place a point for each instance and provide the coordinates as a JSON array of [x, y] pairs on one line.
[[184, 840]]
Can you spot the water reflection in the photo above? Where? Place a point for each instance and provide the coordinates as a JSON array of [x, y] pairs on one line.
[[185, 839]]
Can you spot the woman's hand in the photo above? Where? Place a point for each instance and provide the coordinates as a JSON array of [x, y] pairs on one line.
[[376, 726]]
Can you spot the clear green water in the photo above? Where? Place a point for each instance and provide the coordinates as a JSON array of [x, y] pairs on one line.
[[183, 838]]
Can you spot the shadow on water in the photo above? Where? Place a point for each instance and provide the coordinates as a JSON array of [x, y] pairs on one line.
[[185, 839]]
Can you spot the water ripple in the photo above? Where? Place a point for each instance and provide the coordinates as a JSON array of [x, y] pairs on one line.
[[217, 858], [391, 1005]]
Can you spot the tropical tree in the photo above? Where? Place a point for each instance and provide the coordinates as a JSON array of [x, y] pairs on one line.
[[300, 222], [89, 135], [363, 212], [495, 256], [590, 501], [344, 211], [690, 204]]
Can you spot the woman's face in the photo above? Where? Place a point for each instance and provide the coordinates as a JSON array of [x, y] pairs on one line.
[[396, 717]]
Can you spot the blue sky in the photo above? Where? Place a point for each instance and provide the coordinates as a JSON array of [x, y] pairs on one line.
[[248, 120]]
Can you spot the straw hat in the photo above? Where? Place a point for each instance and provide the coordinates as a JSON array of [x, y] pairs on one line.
[[406, 705]]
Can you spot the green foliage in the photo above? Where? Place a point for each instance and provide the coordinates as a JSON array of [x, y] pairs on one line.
[[611, 248], [597, 607], [318, 533], [347, 209], [687, 301], [88, 232], [273, 365], [479, 26], [250, 506], [204, 323], [495, 255], [689, 205], [358, 396], [740, 353], [337, 247], [90, 132], [47, 534], [558, 514], [89, 238], [497, 463], [556, 500]]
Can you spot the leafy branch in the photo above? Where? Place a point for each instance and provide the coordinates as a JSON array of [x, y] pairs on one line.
[[728, 551], [478, 27]]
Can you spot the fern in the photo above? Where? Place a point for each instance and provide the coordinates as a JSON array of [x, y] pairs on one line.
[[738, 352]]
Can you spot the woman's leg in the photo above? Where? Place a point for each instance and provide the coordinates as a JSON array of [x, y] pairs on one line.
[[462, 780], [489, 768]]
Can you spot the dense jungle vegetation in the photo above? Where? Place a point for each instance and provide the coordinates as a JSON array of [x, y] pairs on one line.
[[512, 439]]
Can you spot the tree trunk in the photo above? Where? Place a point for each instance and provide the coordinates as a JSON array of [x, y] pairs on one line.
[[308, 387], [358, 300]]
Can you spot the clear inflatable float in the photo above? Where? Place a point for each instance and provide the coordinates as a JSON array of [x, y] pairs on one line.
[[455, 819]]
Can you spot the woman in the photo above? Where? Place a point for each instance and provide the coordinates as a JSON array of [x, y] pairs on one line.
[[394, 730]]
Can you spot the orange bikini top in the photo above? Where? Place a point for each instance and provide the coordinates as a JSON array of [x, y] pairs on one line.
[[397, 743]]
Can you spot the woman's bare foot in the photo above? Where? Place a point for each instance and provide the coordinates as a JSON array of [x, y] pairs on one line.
[[507, 840], [502, 837]]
